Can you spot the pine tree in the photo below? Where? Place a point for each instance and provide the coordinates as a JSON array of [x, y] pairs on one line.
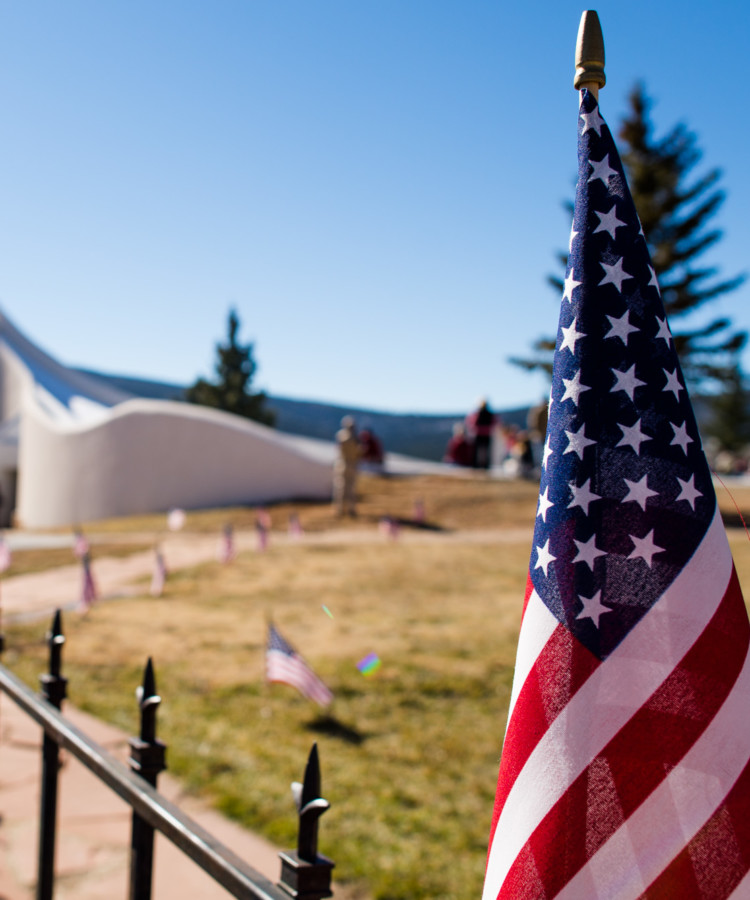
[[730, 420], [674, 213], [235, 368]]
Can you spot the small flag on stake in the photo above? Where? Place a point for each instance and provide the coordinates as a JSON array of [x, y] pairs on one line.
[[227, 550], [159, 578], [261, 531], [285, 665], [5, 555], [80, 544], [88, 587]]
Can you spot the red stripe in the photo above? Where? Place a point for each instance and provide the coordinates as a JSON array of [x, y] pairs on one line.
[[563, 665], [642, 753], [529, 591]]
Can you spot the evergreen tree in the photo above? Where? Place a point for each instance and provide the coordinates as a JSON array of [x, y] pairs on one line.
[[674, 213], [730, 420], [235, 368]]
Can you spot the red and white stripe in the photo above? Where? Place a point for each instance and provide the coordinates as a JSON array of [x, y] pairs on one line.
[[88, 586], [629, 777], [293, 670]]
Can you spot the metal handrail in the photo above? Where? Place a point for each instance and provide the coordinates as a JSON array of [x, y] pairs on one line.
[[233, 873]]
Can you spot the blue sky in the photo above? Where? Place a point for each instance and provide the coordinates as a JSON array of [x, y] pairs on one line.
[[375, 185]]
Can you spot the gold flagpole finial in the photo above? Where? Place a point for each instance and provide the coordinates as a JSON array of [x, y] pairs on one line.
[[590, 54]]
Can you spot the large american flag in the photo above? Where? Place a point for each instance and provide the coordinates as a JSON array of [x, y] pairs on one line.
[[284, 664], [624, 771]]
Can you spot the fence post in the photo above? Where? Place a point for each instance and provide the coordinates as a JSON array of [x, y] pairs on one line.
[[305, 874], [53, 689], [147, 758]]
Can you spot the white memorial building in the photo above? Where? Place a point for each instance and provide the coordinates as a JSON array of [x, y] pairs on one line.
[[73, 449]]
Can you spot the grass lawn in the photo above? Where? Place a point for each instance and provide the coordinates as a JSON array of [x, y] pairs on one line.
[[409, 755]]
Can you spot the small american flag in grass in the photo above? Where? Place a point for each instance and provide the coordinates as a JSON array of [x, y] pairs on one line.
[[285, 665]]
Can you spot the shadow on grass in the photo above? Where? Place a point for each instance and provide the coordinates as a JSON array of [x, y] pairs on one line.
[[332, 727], [404, 522]]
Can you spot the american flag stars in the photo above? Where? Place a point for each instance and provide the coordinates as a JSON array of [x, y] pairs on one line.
[[663, 333], [602, 171], [610, 223], [626, 381], [592, 120], [673, 383], [570, 285], [614, 274], [588, 552], [632, 436], [570, 336], [618, 464], [583, 496], [620, 327], [639, 492], [688, 491], [577, 441], [573, 388]]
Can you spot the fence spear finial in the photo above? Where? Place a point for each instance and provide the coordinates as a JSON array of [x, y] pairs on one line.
[[148, 701], [55, 640], [311, 807], [590, 54]]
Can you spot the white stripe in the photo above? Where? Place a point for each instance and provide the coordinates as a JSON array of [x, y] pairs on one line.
[[674, 813], [294, 671], [609, 698], [537, 628]]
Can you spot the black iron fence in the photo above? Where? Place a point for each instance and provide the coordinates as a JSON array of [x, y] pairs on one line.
[[304, 873]]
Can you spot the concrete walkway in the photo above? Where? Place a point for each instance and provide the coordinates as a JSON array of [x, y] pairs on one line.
[[94, 824]]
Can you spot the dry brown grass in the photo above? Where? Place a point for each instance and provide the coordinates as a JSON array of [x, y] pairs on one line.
[[468, 501]]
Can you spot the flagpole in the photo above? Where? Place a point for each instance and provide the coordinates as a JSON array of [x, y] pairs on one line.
[[590, 54]]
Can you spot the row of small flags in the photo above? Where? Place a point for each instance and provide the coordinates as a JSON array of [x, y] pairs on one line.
[[283, 663], [176, 518], [175, 521]]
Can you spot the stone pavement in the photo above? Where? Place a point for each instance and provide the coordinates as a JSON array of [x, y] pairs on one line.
[[94, 823]]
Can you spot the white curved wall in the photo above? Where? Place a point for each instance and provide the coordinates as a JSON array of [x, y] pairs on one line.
[[152, 455]]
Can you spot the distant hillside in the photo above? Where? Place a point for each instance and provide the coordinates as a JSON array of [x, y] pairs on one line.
[[414, 434]]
